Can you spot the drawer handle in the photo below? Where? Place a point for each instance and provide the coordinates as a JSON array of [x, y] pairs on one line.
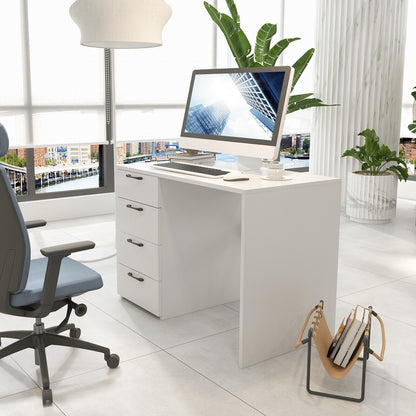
[[140, 279], [139, 178], [132, 207], [129, 240]]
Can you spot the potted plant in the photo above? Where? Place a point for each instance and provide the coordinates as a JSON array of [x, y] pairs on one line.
[[372, 191], [263, 54]]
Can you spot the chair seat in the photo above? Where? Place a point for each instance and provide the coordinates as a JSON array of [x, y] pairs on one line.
[[74, 279]]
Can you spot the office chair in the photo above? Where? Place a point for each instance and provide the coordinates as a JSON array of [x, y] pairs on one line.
[[35, 288]]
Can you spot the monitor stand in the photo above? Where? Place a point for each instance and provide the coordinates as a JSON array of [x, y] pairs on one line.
[[248, 163]]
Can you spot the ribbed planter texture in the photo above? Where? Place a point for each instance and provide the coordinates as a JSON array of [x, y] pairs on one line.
[[371, 199]]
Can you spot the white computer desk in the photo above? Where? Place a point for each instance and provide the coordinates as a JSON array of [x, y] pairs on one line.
[[186, 243]]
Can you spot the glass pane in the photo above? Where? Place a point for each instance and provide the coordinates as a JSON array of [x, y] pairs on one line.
[[11, 75], [301, 25], [409, 77], [14, 122], [148, 124], [15, 164], [407, 150], [66, 168], [69, 127], [187, 45], [144, 151], [63, 72]]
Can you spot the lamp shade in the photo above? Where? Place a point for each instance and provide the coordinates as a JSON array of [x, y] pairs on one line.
[[120, 24]]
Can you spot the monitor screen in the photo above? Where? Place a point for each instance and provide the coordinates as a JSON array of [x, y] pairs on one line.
[[237, 106]]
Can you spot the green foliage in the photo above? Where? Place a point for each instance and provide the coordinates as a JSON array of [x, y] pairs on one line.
[[412, 126], [12, 159], [376, 159], [306, 145], [263, 55]]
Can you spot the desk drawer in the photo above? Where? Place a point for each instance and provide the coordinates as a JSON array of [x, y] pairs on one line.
[[140, 289], [138, 219], [138, 254], [137, 187]]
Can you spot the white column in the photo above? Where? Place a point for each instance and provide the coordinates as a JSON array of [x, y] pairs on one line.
[[359, 65]]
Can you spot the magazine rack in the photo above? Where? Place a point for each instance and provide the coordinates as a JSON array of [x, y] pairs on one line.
[[319, 331]]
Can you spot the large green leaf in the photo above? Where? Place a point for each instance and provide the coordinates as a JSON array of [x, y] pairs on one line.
[[412, 127], [294, 98], [237, 41], [413, 93], [399, 171], [252, 63], [233, 10], [306, 103], [301, 64], [276, 50], [264, 36]]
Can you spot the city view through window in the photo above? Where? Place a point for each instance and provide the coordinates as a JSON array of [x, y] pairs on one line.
[[75, 167], [57, 168], [294, 151]]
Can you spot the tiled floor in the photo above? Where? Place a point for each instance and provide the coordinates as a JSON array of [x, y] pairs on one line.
[[188, 365]]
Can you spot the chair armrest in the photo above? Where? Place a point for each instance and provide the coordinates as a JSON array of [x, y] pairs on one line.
[[55, 254], [63, 250], [35, 223]]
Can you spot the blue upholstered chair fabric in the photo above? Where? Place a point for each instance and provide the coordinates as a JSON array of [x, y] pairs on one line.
[[74, 279]]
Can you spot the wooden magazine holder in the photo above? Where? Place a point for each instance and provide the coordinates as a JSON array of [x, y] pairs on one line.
[[319, 332]]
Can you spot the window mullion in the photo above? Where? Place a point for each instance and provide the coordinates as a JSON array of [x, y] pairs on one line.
[[27, 82]]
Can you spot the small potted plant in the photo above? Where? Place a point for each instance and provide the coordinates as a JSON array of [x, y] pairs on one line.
[[372, 191]]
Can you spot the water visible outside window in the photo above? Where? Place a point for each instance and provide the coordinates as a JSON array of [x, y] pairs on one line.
[[66, 168]]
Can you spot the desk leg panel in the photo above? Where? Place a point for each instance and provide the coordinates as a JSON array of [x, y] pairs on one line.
[[289, 262]]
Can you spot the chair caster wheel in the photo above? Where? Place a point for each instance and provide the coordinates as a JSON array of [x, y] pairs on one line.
[[80, 310], [75, 333], [47, 397], [113, 361]]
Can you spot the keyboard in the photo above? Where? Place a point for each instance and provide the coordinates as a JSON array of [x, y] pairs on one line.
[[189, 169]]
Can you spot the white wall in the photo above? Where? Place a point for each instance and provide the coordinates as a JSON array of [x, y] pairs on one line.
[[71, 207]]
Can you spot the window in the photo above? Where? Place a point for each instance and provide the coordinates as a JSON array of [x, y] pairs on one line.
[[53, 101], [151, 85]]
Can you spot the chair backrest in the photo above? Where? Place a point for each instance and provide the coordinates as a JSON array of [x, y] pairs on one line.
[[14, 240]]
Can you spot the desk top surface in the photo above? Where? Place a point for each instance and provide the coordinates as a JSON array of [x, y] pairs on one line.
[[255, 184]]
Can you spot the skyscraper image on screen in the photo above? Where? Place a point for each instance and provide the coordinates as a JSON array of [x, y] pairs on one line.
[[250, 108], [208, 120]]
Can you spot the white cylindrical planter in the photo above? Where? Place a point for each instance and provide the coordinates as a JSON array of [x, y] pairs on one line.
[[359, 65], [371, 199]]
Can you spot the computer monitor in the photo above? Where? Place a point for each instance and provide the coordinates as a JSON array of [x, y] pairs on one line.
[[237, 111]]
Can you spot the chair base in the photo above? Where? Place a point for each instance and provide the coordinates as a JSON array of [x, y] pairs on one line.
[[40, 338]]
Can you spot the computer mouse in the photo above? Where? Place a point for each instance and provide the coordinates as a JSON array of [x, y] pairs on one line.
[[235, 176]]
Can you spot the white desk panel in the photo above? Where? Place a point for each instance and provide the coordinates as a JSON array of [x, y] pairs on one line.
[[272, 244]]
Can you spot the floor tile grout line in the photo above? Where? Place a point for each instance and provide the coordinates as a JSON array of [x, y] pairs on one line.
[[390, 381], [102, 368], [152, 342], [229, 307], [200, 339], [32, 389], [215, 383], [383, 315], [377, 285]]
